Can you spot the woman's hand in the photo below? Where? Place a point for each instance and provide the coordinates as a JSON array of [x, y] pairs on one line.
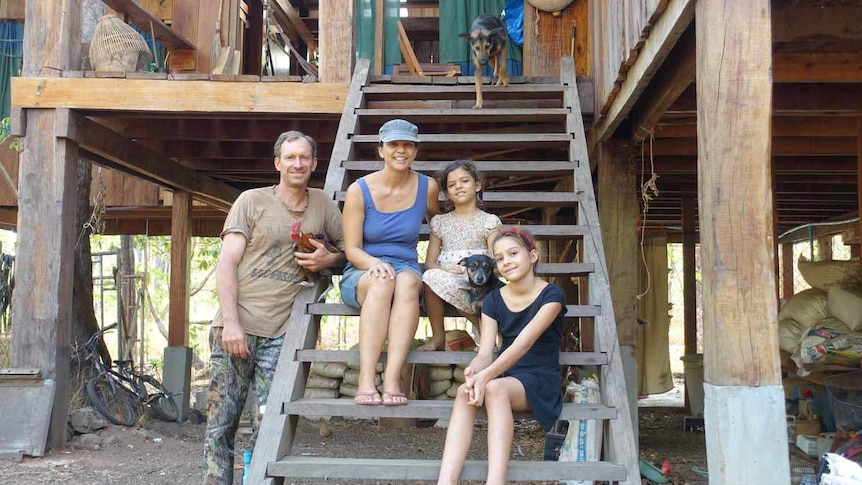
[[381, 270], [455, 269], [474, 386]]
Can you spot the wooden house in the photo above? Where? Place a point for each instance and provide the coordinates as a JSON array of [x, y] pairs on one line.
[[747, 111]]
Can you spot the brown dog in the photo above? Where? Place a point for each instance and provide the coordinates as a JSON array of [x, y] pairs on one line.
[[487, 40]]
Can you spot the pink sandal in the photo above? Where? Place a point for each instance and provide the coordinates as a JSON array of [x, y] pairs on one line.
[[374, 400], [392, 396]]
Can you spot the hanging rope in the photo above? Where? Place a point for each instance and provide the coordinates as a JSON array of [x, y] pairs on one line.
[[649, 191]]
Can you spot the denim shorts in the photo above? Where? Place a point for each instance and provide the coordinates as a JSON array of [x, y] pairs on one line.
[[351, 275]]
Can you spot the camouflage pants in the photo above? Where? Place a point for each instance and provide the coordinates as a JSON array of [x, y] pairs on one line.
[[230, 379]]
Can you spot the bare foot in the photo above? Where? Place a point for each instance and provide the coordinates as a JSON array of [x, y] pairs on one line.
[[434, 343]]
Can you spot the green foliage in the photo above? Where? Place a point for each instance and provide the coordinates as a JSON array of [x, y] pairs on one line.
[[5, 128]]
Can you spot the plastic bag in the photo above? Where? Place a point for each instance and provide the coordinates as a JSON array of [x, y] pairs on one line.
[[513, 16], [584, 437]]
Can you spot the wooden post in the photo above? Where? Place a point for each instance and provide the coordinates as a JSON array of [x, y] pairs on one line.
[[855, 247], [689, 281], [746, 436], [618, 213], [379, 34], [42, 302], [181, 230], [337, 47], [787, 274], [254, 61]]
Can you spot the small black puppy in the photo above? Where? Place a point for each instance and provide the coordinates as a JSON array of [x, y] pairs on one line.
[[480, 273]]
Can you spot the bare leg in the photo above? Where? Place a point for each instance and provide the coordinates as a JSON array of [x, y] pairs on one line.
[[375, 296], [435, 307], [403, 320], [459, 435], [501, 397]]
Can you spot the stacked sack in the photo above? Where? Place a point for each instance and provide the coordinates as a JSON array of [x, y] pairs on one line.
[[324, 380], [350, 383], [825, 321]]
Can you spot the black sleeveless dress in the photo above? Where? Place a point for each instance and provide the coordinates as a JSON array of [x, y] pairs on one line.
[[539, 369]]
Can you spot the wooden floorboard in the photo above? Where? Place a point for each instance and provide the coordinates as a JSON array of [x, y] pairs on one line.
[[359, 468]]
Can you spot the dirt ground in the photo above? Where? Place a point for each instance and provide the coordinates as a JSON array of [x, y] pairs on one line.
[[170, 453]]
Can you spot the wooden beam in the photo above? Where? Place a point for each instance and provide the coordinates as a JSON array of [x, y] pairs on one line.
[[675, 76], [742, 385], [816, 67], [781, 165], [795, 99], [47, 190], [178, 96], [337, 48], [147, 22], [254, 60], [787, 270], [379, 35], [663, 36], [12, 10], [814, 126], [618, 213], [816, 22], [689, 280], [135, 159], [781, 146], [181, 224], [284, 11]]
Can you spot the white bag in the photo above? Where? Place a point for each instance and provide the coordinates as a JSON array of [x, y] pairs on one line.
[[584, 437]]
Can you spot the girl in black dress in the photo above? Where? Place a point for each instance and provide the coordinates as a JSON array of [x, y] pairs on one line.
[[525, 376]]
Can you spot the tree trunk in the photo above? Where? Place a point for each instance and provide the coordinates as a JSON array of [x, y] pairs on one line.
[[84, 322], [129, 302]]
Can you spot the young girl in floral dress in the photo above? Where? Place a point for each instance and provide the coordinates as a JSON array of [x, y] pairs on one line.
[[464, 231]]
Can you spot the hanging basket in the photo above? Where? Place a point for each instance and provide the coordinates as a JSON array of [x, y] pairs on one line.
[[117, 47], [550, 5]]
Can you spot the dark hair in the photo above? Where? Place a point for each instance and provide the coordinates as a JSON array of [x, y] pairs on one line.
[[442, 176], [293, 135], [522, 237]]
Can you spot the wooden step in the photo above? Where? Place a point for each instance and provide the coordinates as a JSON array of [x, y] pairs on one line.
[[342, 310], [498, 140], [509, 199], [368, 468], [428, 409], [413, 92], [484, 116], [439, 357], [503, 167]]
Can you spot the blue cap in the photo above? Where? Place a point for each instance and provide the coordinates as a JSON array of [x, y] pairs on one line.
[[399, 130]]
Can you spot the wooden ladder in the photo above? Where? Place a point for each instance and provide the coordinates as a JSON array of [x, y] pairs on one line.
[[529, 142]]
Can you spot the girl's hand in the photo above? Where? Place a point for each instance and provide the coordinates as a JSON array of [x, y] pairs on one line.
[[477, 394], [381, 270], [455, 269]]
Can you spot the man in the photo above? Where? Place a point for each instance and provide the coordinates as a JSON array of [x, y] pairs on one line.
[[257, 278]]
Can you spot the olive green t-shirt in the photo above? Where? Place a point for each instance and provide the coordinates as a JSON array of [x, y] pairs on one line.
[[268, 277]]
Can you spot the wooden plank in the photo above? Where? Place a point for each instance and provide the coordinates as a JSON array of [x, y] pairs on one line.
[[508, 199], [663, 36], [340, 309], [816, 126], [416, 357], [12, 10], [674, 77], [621, 443], [365, 468], [484, 116], [815, 67], [543, 49], [781, 146], [489, 167], [425, 409], [138, 160], [379, 35], [788, 264], [814, 22], [336, 177], [285, 11], [178, 96], [493, 138], [619, 212], [689, 280], [407, 52], [337, 48], [146, 21], [180, 272], [400, 92], [254, 62]]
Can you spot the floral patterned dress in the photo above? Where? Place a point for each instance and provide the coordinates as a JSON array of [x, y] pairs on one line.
[[459, 238]]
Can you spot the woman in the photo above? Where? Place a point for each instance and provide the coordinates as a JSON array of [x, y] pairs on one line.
[[383, 212]]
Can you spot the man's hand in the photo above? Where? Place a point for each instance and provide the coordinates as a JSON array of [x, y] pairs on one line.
[[234, 341], [318, 260]]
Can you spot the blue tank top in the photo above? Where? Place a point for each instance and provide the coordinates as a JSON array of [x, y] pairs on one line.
[[394, 234]]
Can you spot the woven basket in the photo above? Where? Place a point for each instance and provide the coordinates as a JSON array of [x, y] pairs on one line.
[[117, 47], [550, 5]]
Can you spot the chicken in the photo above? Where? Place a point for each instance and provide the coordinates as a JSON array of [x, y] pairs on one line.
[[302, 245]]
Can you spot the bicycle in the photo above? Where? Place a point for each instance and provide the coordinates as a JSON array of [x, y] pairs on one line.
[[119, 395]]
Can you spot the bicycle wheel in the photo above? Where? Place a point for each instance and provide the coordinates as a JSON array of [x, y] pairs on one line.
[[112, 400], [159, 399]]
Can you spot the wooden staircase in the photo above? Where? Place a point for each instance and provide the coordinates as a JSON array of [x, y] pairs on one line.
[[529, 143]]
